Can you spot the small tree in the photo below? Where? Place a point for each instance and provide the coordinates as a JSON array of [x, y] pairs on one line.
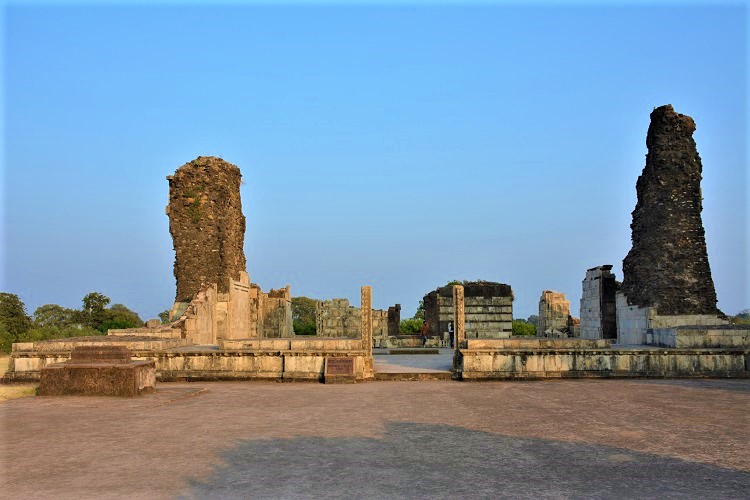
[[92, 313], [14, 322], [523, 328], [164, 317], [303, 315], [411, 326], [119, 316]]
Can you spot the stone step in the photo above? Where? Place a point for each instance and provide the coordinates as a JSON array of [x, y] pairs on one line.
[[419, 350]]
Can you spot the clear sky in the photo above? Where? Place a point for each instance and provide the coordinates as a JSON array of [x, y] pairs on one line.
[[399, 146]]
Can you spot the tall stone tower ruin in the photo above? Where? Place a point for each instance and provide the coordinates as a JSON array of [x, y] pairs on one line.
[[667, 267], [207, 225]]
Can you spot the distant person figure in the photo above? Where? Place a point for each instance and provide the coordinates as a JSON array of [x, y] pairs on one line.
[[450, 332], [423, 333]]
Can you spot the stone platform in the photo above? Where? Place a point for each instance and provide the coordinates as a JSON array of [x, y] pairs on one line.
[[626, 362], [98, 371], [700, 336], [265, 359]]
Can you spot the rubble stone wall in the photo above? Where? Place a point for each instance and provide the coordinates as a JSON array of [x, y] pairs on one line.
[[667, 266], [207, 225], [394, 320], [336, 318]]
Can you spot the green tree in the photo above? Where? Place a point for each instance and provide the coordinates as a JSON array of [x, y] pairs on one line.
[[164, 317], [410, 326], [420, 310], [303, 315], [53, 315], [13, 319], [741, 318], [523, 328], [533, 319], [93, 313], [119, 316], [95, 302]]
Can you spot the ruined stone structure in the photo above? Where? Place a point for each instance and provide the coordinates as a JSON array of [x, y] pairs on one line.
[[554, 315], [667, 267], [215, 298], [488, 309], [598, 314], [337, 318], [666, 277], [207, 225], [394, 320], [102, 370]]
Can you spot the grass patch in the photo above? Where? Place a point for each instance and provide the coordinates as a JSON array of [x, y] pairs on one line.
[[16, 391], [4, 360], [13, 391]]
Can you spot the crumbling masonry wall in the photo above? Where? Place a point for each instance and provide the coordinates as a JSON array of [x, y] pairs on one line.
[[554, 314], [336, 318], [207, 225], [394, 320], [598, 314], [488, 310], [667, 267]]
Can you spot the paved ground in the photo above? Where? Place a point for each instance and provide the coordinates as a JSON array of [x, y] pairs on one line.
[[414, 363], [577, 438]]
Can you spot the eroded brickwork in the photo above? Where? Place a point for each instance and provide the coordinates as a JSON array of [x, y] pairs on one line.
[[667, 267], [207, 225]]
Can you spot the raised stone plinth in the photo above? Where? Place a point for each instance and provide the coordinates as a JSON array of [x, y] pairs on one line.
[[700, 336], [98, 371]]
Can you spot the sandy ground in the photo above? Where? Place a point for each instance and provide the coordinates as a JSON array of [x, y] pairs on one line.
[[437, 439]]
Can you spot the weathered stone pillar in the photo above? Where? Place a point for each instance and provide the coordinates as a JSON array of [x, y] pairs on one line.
[[366, 307], [459, 329]]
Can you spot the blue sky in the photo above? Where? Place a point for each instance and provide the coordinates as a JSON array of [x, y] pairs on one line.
[[399, 145]]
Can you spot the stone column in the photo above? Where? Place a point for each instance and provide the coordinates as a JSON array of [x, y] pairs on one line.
[[366, 307], [459, 330]]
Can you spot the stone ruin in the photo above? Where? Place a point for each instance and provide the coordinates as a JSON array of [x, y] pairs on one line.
[[554, 316], [667, 267], [598, 310], [394, 320], [337, 318], [207, 226], [488, 310], [215, 299]]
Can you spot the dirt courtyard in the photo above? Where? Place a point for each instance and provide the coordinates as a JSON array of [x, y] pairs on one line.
[[438, 439]]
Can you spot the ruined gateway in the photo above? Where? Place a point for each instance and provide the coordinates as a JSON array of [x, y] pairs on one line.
[[225, 328]]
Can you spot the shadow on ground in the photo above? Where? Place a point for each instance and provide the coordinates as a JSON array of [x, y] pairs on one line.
[[424, 461]]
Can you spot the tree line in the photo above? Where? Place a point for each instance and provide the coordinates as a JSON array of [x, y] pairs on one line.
[[52, 321]]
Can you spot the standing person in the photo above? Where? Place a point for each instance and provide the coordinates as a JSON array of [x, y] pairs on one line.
[[450, 332], [423, 332]]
